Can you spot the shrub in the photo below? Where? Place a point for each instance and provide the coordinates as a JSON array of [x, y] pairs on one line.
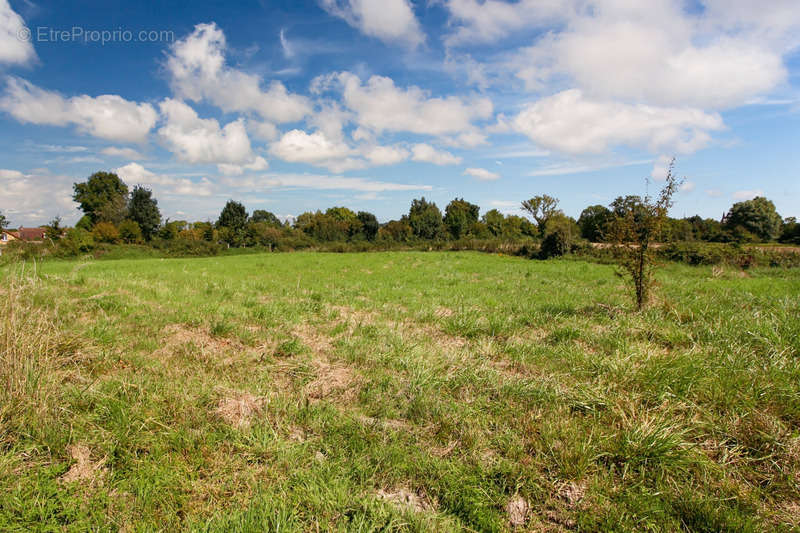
[[130, 232], [105, 232]]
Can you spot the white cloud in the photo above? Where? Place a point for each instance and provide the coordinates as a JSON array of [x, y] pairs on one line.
[[237, 170], [197, 69], [122, 153], [482, 174], [14, 48], [321, 182], [391, 21], [488, 21], [386, 155], [297, 146], [560, 169], [266, 131], [747, 194], [24, 203], [136, 174], [196, 140], [426, 153], [106, 116], [380, 106], [661, 168], [687, 186], [571, 123]]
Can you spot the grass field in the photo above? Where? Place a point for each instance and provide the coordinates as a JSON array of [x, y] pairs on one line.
[[396, 391]]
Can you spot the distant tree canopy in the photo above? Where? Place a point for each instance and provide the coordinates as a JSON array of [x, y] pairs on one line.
[[103, 197], [259, 215], [494, 221], [425, 219], [233, 216], [460, 216], [369, 225], [757, 216], [541, 208], [592, 222], [3, 221], [143, 210]]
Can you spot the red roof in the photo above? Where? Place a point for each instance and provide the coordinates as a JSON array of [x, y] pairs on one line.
[[29, 234]]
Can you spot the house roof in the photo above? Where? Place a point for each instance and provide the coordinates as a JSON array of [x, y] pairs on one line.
[[29, 234]]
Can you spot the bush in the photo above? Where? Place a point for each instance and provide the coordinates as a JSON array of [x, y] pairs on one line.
[[105, 232], [130, 232]]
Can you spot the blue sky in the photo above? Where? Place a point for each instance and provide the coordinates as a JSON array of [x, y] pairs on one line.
[[301, 105]]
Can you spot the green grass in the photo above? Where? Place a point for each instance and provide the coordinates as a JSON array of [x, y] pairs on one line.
[[304, 392]]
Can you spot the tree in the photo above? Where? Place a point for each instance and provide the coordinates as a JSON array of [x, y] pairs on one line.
[[425, 219], [560, 233], [232, 223], [494, 222], [143, 209], [54, 231], [459, 216], [757, 216], [3, 221], [130, 232], [635, 226], [105, 232], [348, 218], [790, 233], [592, 222], [541, 208], [369, 225], [102, 197], [396, 230], [261, 216]]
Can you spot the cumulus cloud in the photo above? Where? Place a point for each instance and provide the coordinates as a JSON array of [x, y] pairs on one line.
[[426, 153], [747, 194], [136, 174], [481, 174], [386, 155], [392, 21], [122, 153], [13, 49], [23, 203], [196, 140], [237, 170], [197, 68], [321, 182], [379, 105], [298, 146], [571, 123], [106, 116]]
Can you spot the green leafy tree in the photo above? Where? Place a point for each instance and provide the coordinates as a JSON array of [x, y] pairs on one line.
[[396, 230], [348, 218], [541, 208], [105, 232], [54, 230], [560, 233], [3, 221], [459, 216], [130, 232], [143, 210], [425, 219], [494, 220], [232, 224], [635, 226], [757, 216], [103, 197], [790, 232], [592, 222], [262, 216], [369, 225]]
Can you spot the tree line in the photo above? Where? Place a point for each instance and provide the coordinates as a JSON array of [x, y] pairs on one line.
[[113, 213]]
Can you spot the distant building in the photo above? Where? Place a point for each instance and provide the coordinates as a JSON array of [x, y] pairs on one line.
[[22, 234]]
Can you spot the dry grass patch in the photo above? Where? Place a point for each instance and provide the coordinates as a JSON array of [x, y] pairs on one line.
[[517, 510], [405, 499], [84, 469], [332, 380], [239, 408]]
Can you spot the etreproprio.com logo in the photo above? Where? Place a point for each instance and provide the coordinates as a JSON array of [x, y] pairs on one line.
[[79, 34]]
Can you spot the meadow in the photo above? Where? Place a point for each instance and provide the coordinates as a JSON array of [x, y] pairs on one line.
[[396, 391]]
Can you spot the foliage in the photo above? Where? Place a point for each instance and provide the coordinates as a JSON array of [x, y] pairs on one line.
[[459, 216], [541, 208], [130, 232], [593, 221], [143, 210], [105, 232], [636, 225], [369, 225], [266, 217], [232, 223], [425, 219], [790, 232], [76, 241], [3, 221], [54, 231], [757, 217], [103, 197], [396, 230], [349, 220], [494, 220]]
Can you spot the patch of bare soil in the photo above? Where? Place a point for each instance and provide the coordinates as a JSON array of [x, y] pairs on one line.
[[406, 500], [332, 380], [572, 493], [238, 409], [176, 335], [517, 510], [443, 312], [84, 469]]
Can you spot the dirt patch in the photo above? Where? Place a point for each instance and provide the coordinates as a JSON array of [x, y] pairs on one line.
[[443, 312], [355, 316], [517, 510], [176, 335], [572, 493], [310, 336], [406, 500], [84, 468], [332, 380], [385, 423], [239, 409], [444, 451]]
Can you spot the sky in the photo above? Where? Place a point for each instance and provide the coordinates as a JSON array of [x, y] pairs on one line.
[[300, 105]]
